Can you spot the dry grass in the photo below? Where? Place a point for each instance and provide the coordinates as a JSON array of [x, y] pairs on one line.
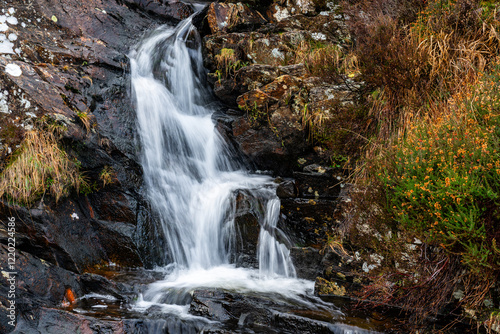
[[321, 60], [423, 62], [107, 176], [39, 166], [84, 117]]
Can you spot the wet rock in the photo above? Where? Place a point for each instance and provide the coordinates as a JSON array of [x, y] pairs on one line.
[[59, 321], [235, 310], [211, 304], [69, 238], [297, 324], [261, 146], [306, 220], [93, 283], [36, 283], [307, 262], [72, 60], [287, 189], [248, 211], [224, 17], [40, 284], [165, 8]]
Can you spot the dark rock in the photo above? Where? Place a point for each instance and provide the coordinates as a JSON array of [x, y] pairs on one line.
[[319, 185], [307, 262], [73, 59], [224, 17], [73, 240], [211, 304], [59, 321], [297, 324], [40, 285], [248, 211], [306, 220], [262, 147], [165, 8], [93, 283], [36, 283], [234, 309], [287, 189], [263, 314], [227, 91]]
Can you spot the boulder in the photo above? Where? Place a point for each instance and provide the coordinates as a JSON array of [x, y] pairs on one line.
[[226, 17], [168, 9], [261, 146], [287, 189], [211, 304], [67, 237], [283, 9], [40, 286], [248, 211], [307, 262]]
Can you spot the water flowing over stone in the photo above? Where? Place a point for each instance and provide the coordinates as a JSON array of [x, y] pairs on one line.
[[189, 173]]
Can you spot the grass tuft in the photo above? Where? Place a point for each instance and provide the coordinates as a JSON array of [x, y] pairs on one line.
[[37, 168]]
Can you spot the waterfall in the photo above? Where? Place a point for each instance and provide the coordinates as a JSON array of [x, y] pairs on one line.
[[196, 187], [189, 171]]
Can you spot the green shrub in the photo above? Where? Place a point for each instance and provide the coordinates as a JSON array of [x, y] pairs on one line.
[[443, 176]]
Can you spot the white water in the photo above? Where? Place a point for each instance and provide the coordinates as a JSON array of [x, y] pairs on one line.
[[192, 179]]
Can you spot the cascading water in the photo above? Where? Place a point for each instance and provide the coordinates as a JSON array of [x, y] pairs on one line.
[[188, 170], [193, 183], [199, 190]]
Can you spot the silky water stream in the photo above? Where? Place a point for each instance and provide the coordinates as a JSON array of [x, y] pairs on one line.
[[193, 180]]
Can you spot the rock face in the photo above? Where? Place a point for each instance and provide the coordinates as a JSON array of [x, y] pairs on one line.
[[72, 60], [270, 74], [63, 65], [268, 77]]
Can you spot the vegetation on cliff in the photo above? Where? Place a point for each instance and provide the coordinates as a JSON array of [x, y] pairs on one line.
[[432, 163], [40, 166], [404, 95]]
